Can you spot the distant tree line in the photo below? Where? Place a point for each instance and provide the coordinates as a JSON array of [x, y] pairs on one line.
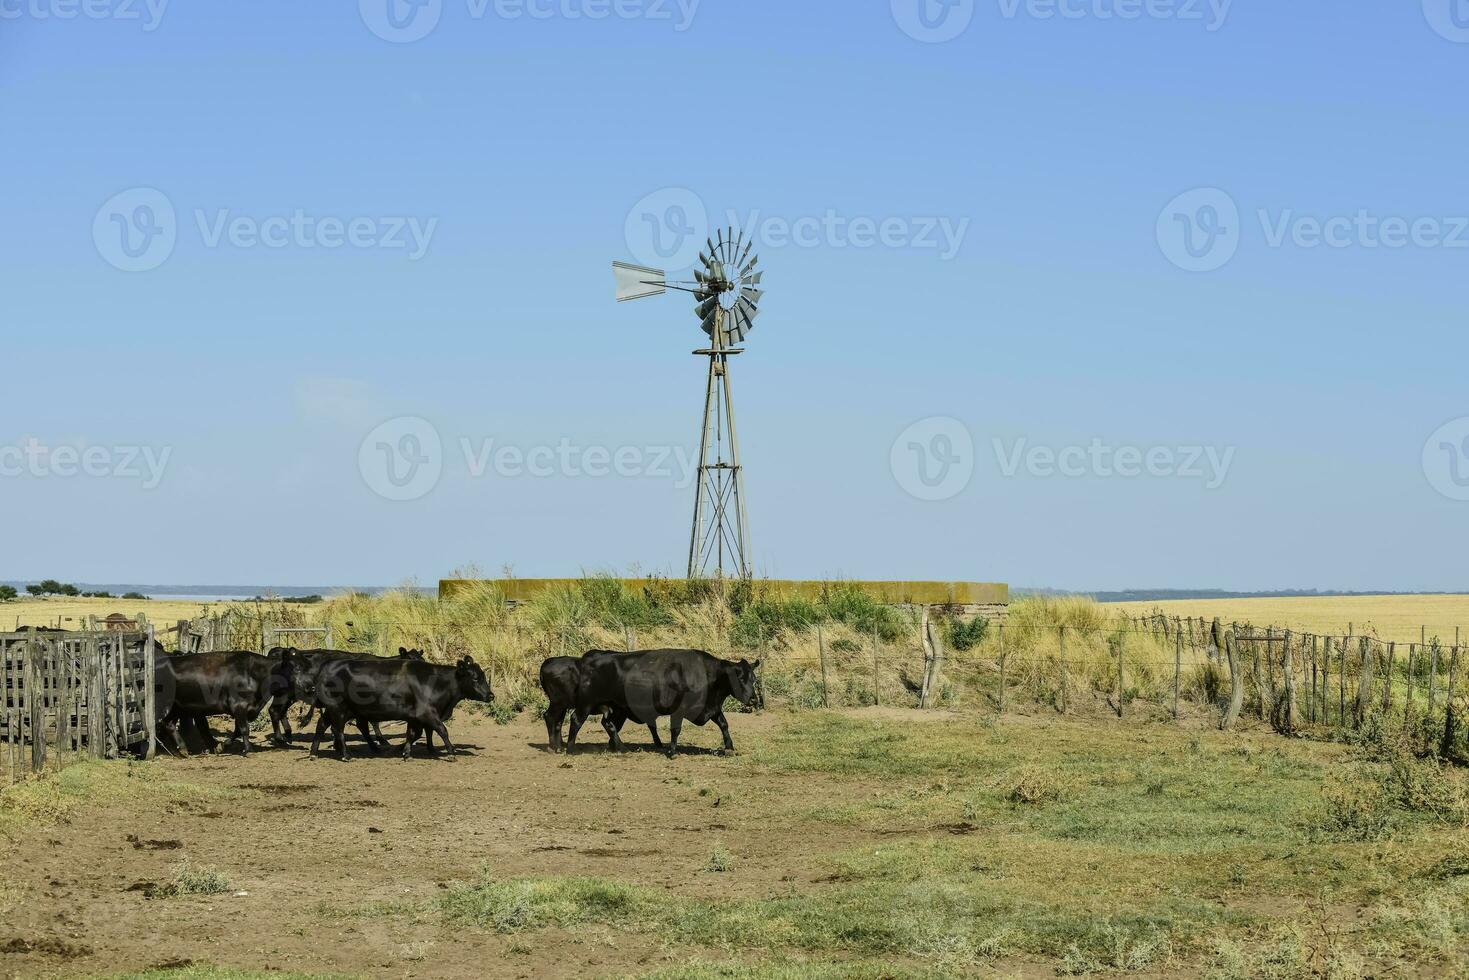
[[49, 587]]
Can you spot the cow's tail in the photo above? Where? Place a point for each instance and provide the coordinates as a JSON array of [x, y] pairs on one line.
[[305, 719]]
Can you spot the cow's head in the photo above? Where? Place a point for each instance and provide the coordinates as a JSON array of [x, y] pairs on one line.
[[742, 681], [405, 654], [473, 684]]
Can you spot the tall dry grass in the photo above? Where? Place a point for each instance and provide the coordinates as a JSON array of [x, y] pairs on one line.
[[843, 648]]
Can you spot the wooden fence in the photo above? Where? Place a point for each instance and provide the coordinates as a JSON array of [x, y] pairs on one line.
[[1299, 680], [69, 695]]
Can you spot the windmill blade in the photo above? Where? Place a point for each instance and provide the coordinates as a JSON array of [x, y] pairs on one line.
[[637, 282], [708, 324], [754, 279], [749, 311], [750, 267], [747, 251], [708, 306], [752, 295], [740, 326]]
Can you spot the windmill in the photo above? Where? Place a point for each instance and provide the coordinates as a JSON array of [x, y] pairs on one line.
[[725, 288]]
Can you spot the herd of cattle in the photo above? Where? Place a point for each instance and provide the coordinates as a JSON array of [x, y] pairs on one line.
[[366, 690]]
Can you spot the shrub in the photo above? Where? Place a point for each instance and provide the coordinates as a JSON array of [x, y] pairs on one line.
[[963, 635], [1032, 786], [1357, 810], [191, 880]]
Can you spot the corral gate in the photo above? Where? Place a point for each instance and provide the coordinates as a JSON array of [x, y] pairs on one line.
[[72, 694]]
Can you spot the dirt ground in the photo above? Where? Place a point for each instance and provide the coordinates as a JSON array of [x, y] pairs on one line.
[[306, 844]]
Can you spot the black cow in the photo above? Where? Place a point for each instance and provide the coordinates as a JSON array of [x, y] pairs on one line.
[[235, 683], [308, 663], [561, 680], [682, 684], [422, 694]]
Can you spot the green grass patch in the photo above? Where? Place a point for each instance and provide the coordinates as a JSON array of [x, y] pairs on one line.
[[54, 796]]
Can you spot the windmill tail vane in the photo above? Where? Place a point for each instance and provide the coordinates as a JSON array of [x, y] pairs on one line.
[[727, 297]]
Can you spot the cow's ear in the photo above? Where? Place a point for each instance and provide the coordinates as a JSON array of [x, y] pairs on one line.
[[755, 665], [402, 651]]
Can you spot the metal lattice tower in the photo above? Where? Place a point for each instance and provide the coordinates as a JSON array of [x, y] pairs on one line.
[[725, 288]]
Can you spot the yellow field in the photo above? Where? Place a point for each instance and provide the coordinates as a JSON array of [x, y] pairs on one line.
[[1399, 618], [71, 613]]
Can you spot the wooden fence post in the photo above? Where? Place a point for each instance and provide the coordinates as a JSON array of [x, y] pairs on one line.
[[1289, 720], [1408, 676], [1341, 682], [1002, 669], [1177, 669], [1226, 644], [1121, 676], [1450, 720], [821, 649], [35, 702], [876, 671], [1433, 676], [1392, 663], [1065, 682], [1364, 682]]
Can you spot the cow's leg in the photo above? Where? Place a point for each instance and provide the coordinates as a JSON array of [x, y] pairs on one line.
[[339, 726], [578, 719], [675, 725], [321, 722], [365, 728], [413, 732], [211, 744], [242, 731], [177, 727], [438, 726], [653, 730], [279, 722], [723, 724], [167, 736], [555, 715]]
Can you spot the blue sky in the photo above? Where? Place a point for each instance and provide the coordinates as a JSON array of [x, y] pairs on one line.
[[1073, 159]]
